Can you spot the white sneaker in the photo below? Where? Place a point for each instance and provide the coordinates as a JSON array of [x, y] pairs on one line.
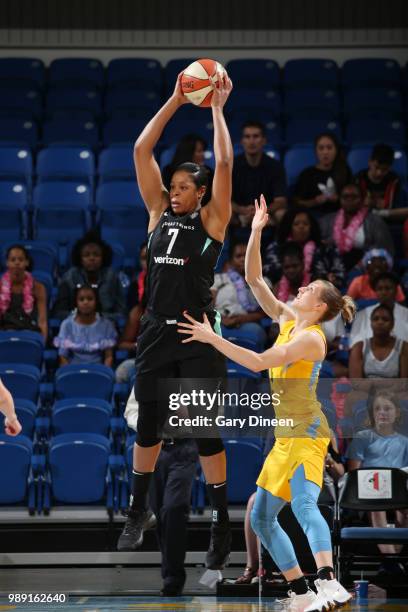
[[330, 595], [298, 603]]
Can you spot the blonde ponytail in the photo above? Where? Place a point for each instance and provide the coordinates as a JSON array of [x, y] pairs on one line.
[[336, 303], [348, 309]]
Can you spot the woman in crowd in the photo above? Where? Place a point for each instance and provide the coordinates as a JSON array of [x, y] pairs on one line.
[[318, 187], [23, 300], [375, 262], [91, 259], [86, 336], [298, 226]]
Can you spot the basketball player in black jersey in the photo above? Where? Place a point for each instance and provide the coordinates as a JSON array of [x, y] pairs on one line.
[[184, 242]]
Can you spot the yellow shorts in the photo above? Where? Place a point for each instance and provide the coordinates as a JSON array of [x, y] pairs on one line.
[[285, 457]]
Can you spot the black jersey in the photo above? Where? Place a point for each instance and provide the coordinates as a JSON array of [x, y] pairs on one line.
[[181, 258]]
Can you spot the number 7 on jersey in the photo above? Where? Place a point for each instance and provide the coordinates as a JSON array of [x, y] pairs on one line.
[[175, 232]]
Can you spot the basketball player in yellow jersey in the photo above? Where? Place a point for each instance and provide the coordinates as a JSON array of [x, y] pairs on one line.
[[11, 424], [293, 471]]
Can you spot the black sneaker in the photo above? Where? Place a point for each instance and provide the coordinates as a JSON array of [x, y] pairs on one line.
[[220, 546], [137, 521]]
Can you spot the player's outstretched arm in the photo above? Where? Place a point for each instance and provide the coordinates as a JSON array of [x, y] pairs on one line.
[[273, 307], [11, 424], [148, 173], [217, 214], [306, 345]]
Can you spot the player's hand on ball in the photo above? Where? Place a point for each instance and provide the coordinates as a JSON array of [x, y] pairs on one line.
[[222, 89], [12, 426], [178, 92], [261, 214], [201, 332]]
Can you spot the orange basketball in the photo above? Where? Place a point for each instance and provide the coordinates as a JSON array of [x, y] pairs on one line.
[[195, 81]]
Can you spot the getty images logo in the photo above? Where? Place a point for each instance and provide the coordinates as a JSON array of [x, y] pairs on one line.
[[175, 261]]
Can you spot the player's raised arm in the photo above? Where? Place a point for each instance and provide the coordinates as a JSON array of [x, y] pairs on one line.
[[217, 213], [253, 269], [11, 424], [148, 173]]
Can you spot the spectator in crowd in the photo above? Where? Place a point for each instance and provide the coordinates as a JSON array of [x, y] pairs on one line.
[[375, 262], [379, 185], [91, 259], [354, 229], [255, 172], [294, 274], [381, 355], [127, 342], [320, 261], [240, 312], [191, 148], [382, 446], [318, 187], [86, 336], [385, 286], [23, 300], [136, 287]]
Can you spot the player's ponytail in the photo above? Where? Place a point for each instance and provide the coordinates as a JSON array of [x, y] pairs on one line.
[[336, 303]]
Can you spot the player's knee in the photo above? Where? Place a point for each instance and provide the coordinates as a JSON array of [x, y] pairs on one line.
[[209, 446], [304, 507], [261, 523], [145, 440]]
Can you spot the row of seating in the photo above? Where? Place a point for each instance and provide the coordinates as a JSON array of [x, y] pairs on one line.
[[142, 73], [90, 105], [24, 132]]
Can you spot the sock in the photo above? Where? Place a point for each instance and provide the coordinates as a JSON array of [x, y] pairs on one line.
[[217, 494], [140, 490], [325, 573], [299, 586]]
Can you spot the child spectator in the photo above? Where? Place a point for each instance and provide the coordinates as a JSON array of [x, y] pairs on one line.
[[318, 187], [375, 262], [23, 300], [354, 229], [382, 446], [382, 355], [240, 312], [385, 286], [321, 261], [136, 287], [254, 173], [91, 259], [86, 336]]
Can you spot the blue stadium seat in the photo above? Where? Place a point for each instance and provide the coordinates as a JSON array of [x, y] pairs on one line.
[[118, 260], [116, 164], [17, 485], [178, 128], [26, 412], [71, 131], [88, 380], [73, 102], [21, 347], [296, 160], [373, 104], [310, 73], [244, 461], [16, 164], [358, 158], [257, 73], [78, 469], [44, 255], [131, 103], [13, 211], [23, 381], [22, 72], [19, 132], [122, 131], [118, 194], [21, 103], [371, 131], [66, 163], [304, 131], [173, 69], [76, 72], [311, 104], [135, 73], [253, 101], [371, 72], [81, 415], [57, 205]]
